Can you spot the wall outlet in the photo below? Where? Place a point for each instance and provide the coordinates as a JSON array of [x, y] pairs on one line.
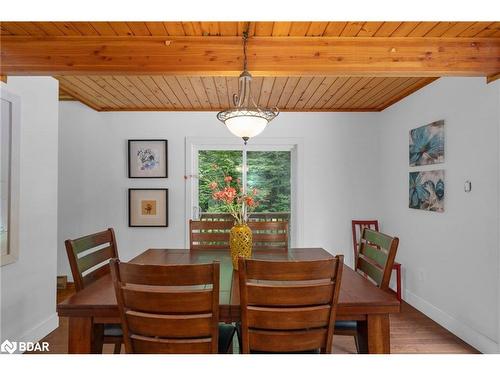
[[421, 275]]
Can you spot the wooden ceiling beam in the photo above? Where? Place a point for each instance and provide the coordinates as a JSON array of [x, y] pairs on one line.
[[493, 77], [267, 56]]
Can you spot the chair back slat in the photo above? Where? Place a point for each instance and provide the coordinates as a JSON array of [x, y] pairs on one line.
[[90, 277], [173, 275], [205, 234], [88, 256], [161, 301], [288, 306], [92, 240], [287, 341], [370, 269], [168, 308], [375, 256], [288, 319], [211, 225], [88, 261], [209, 237], [290, 270], [174, 326], [357, 230], [289, 295], [147, 344]]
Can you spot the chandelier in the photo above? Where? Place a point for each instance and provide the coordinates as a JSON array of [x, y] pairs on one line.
[[246, 119]]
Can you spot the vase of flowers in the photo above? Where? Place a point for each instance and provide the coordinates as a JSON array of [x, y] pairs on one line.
[[239, 203]]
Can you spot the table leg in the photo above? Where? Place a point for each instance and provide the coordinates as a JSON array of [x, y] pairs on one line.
[[378, 331], [398, 281], [80, 335], [361, 338]]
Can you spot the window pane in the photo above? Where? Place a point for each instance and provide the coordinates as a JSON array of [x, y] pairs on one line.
[[229, 162], [270, 172]]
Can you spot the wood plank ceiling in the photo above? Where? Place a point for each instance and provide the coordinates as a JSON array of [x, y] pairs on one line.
[[289, 93], [139, 93]]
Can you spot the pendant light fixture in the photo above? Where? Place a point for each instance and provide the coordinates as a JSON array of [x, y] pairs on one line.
[[246, 119]]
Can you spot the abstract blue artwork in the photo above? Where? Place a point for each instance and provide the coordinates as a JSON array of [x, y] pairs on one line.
[[427, 144], [427, 190]]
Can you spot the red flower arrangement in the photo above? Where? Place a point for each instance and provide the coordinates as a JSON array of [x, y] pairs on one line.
[[234, 199]]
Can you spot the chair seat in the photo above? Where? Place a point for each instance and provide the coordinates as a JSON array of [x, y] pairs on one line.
[[226, 334], [346, 325], [113, 330]]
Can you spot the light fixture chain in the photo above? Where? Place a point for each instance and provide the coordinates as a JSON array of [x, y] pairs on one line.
[[245, 38]]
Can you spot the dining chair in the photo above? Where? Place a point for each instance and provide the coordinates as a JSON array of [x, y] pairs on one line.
[[357, 228], [205, 234], [268, 235], [288, 306], [374, 260], [209, 235], [89, 260], [170, 309]]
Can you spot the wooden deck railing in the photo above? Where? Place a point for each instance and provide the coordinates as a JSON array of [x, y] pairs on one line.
[[256, 216]]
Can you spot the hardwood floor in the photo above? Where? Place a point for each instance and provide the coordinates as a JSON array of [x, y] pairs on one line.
[[411, 332]]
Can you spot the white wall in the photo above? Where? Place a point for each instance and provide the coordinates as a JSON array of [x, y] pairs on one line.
[[28, 286], [355, 166], [450, 260], [338, 168]]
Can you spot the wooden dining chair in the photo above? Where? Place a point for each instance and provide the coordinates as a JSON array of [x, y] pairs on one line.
[[374, 260], [209, 235], [269, 235], [169, 309], [89, 260], [357, 229], [214, 235], [288, 306]]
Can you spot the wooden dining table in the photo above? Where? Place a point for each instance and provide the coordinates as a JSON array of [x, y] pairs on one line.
[[359, 299]]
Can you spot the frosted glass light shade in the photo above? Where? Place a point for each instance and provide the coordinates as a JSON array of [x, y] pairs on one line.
[[246, 126], [247, 122]]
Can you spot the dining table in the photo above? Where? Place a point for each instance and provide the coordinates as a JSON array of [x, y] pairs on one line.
[[359, 300]]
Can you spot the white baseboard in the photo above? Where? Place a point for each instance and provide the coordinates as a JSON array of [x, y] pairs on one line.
[[41, 330], [474, 338]]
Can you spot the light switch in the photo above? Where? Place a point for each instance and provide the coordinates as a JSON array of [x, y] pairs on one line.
[[467, 186]]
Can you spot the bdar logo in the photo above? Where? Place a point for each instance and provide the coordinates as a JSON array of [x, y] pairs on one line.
[[8, 347]]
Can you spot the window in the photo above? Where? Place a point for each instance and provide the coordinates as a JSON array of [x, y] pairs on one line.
[[267, 171], [269, 165], [229, 161]]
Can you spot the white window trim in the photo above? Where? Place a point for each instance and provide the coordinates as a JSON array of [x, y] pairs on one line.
[[14, 180], [295, 145]]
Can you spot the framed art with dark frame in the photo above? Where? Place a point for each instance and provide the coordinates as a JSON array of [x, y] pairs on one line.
[[147, 158], [148, 207]]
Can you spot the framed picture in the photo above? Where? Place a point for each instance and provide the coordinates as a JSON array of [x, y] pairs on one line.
[[147, 158], [427, 190], [427, 144], [148, 207]]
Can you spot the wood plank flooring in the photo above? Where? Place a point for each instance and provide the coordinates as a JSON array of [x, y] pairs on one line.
[[411, 332]]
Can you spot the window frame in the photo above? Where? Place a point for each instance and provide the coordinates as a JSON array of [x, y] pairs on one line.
[[12, 254], [294, 145]]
